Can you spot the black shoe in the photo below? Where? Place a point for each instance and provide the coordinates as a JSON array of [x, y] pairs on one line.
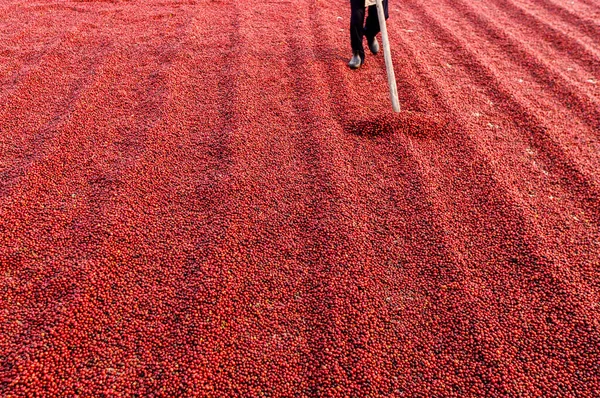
[[356, 61], [373, 45]]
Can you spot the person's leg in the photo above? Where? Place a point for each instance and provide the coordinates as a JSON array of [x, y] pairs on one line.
[[372, 25], [357, 19]]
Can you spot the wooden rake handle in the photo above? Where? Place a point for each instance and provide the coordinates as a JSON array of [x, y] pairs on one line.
[[387, 55]]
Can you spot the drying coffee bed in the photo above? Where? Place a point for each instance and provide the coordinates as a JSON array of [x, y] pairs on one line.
[[199, 198]]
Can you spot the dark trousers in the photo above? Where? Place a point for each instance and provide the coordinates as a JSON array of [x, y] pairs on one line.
[[370, 29]]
